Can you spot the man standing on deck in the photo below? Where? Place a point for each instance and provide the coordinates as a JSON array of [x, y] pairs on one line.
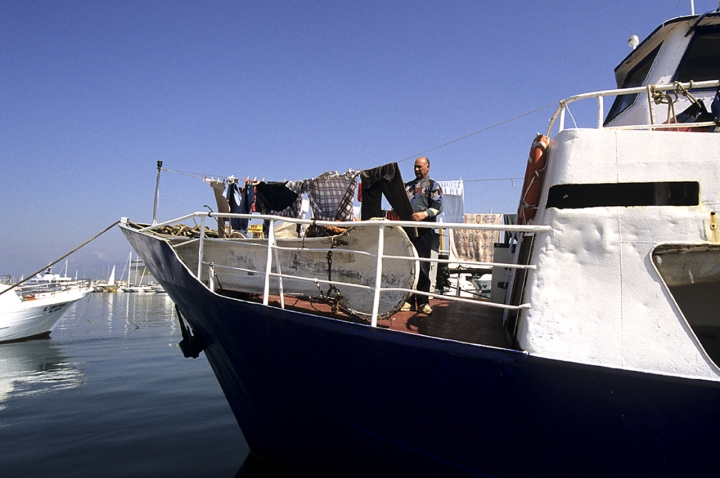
[[426, 199]]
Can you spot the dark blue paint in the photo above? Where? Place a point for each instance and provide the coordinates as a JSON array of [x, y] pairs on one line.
[[328, 397]]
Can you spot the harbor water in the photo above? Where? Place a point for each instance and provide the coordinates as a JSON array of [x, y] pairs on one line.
[[110, 394]]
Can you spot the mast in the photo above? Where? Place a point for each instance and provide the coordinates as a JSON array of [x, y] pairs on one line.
[[157, 192]]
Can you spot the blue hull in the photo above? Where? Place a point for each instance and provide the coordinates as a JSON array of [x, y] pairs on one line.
[[325, 397]]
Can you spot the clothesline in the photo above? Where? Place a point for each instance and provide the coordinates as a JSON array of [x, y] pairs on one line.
[[221, 178]]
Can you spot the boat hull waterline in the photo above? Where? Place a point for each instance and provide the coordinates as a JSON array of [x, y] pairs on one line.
[[325, 396]]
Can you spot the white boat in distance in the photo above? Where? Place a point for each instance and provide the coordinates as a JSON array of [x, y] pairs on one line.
[[33, 311]]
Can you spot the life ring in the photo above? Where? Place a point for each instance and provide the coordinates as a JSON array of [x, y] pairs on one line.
[[534, 172]]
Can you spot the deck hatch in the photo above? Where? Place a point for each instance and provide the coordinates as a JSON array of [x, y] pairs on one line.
[[577, 196]]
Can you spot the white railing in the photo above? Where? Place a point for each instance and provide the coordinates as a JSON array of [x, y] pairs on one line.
[[273, 248], [599, 95]]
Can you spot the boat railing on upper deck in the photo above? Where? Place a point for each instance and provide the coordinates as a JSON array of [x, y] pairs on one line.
[[273, 248], [651, 90]]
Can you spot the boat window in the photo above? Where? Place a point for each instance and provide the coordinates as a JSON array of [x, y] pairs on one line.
[[575, 196], [634, 78], [693, 278], [702, 58]]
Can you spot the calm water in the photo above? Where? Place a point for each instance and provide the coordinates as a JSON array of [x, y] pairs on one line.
[[110, 394]]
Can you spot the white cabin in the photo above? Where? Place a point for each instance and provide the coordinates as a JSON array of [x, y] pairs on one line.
[[629, 274]]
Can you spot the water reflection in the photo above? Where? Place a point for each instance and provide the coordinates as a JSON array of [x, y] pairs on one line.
[[39, 366], [126, 401], [124, 313], [33, 367]]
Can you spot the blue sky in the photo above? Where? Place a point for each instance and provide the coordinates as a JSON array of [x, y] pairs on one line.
[[93, 94]]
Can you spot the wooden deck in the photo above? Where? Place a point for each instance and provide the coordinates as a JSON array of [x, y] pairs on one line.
[[478, 324]]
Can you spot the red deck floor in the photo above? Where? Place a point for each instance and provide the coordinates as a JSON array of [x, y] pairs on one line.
[[479, 324]]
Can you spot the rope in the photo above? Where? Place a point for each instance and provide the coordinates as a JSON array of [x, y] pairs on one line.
[[202, 176], [666, 98], [63, 257], [489, 179], [192, 175], [477, 132], [660, 97]]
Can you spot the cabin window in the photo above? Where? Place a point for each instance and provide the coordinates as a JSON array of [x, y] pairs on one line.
[[702, 58], [693, 278], [576, 196], [636, 77]]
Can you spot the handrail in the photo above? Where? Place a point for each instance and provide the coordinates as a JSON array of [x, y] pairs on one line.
[[341, 224], [273, 248], [384, 289], [691, 85]]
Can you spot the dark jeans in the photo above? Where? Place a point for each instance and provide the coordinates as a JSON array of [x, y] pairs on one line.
[[424, 243], [385, 180]]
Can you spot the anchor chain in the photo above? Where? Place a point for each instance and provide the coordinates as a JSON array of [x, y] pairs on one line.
[[333, 295]]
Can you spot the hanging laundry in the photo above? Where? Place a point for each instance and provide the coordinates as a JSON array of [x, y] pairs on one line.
[[222, 204], [331, 196], [280, 198], [453, 209], [385, 180], [453, 201], [234, 197], [246, 205], [476, 245]]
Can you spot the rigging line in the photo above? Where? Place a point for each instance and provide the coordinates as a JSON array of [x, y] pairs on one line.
[[63, 257], [478, 131], [489, 179], [191, 174]]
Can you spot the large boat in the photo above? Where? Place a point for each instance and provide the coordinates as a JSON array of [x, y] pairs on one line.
[[33, 309], [600, 359]]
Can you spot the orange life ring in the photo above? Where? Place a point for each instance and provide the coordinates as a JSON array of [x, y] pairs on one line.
[[530, 198]]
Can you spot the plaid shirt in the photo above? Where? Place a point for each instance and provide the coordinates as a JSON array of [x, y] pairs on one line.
[[331, 196]]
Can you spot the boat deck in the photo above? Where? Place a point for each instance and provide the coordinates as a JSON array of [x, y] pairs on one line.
[[450, 320]]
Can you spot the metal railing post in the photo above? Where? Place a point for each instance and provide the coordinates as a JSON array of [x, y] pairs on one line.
[[268, 264], [601, 112], [378, 275], [280, 279], [201, 247]]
